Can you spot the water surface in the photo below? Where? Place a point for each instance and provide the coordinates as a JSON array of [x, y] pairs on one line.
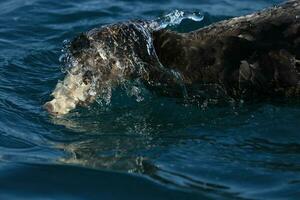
[[136, 147]]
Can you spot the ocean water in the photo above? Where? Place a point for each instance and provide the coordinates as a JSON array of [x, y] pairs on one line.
[[135, 147]]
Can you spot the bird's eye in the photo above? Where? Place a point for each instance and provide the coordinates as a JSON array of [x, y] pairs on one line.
[[79, 44], [87, 77]]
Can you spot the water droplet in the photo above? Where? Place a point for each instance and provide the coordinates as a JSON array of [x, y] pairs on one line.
[[175, 18]]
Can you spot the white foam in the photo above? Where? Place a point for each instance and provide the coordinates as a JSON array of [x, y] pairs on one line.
[[175, 18]]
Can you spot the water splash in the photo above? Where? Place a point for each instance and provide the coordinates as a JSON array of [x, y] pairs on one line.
[[115, 54], [175, 18]]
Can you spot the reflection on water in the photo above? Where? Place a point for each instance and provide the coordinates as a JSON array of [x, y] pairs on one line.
[[187, 146]]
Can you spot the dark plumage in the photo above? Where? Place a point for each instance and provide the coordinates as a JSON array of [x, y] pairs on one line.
[[254, 55]]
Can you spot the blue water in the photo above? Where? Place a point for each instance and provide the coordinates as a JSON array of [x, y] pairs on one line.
[[157, 148]]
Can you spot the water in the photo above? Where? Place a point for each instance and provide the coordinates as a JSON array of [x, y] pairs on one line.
[[138, 146]]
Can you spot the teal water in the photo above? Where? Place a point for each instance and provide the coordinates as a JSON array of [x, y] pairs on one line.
[[146, 147]]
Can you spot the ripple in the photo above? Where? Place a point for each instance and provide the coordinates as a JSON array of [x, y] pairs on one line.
[[161, 145]]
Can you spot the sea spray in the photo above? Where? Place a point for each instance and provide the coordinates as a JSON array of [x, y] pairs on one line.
[[174, 18]]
